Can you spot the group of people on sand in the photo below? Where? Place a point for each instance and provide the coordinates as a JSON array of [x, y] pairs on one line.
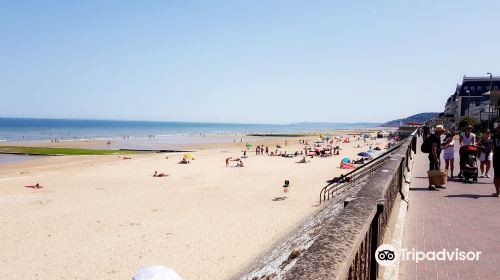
[[486, 146], [239, 162], [260, 150]]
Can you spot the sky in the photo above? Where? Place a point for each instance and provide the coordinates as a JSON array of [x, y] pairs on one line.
[[241, 61]]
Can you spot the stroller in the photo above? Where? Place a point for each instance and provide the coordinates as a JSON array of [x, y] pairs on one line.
[[468, 164]]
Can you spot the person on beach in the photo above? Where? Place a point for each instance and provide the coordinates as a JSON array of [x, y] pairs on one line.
[[239, 163], [434, 155], [485, 145], [267, 150], [227, 161], [159, 174], [448, 147], [467, 137]]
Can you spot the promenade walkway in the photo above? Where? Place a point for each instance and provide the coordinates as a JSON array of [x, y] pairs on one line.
[[462, 216]]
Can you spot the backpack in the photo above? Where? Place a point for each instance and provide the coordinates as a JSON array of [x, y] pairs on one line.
[[426, 146]]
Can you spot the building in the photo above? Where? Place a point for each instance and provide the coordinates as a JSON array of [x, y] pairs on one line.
[[471, 98]]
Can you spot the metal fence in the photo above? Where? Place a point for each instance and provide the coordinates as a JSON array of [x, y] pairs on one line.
[[346, 247], [358, 175]]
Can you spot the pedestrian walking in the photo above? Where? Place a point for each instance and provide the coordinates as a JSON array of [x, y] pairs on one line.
[[448, 147], [426, 131], [496, 160], [434, 141], [485, 145], [467, 137]]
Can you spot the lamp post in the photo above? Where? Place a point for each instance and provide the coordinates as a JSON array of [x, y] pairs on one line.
[[491, 89], [468, 103]]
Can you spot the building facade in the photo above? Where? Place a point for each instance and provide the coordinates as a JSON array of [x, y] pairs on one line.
[[471, 98]]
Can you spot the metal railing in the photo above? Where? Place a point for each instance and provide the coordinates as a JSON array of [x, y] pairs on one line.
[[357, 175], [346, 247]]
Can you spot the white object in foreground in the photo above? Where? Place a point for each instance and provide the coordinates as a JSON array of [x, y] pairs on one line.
[[156, 272]]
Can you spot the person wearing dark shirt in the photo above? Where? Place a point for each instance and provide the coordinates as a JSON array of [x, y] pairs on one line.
[[426, 131], [496, 160], [434, 155]]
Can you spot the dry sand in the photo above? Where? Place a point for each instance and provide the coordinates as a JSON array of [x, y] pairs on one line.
[[100, 217]]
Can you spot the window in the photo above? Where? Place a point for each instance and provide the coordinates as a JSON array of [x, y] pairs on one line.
[[478, 87], [472, 88], [488, 88], [466, 88]]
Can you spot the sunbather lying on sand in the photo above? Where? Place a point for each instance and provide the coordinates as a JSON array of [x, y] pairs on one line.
[[159, 174], [37, 186], [184, 161], [341, 179], [126, 158]]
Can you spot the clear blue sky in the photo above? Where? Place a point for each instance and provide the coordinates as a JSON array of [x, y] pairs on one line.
[[241, 61]]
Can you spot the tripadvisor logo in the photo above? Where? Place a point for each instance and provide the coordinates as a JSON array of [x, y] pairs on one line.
[[386, 255]]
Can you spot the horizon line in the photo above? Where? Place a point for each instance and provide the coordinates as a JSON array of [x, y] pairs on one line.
[[201, 122]]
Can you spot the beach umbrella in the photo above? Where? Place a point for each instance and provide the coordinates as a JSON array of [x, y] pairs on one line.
[[346, 160], [249, 145], [188, 155], [157, 272], [364, 154]]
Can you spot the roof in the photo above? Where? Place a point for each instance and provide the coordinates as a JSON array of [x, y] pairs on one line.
[[481, 79]]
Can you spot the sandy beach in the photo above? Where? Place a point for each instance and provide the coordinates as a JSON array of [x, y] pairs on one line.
[[102, 217]]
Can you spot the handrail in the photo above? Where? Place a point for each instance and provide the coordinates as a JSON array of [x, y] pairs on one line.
[[360, 172], [345, 248]]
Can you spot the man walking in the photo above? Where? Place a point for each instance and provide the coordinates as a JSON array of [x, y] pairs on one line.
[[496, 161], [434, 156]]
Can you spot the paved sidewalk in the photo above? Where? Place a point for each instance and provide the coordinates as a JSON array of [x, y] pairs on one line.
[[462, 216]]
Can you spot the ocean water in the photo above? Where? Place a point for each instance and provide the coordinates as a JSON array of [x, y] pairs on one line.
[[144, 134]]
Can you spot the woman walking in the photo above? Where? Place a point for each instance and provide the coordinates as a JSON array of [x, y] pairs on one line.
[[485, 155], [449, 153]]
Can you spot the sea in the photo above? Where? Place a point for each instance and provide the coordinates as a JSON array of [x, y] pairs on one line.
[[149, 134]]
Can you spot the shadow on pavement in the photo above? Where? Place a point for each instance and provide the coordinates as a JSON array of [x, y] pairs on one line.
[[420, 189], [474, 196]]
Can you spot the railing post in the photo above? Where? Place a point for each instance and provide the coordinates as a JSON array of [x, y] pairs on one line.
[[374, 242]]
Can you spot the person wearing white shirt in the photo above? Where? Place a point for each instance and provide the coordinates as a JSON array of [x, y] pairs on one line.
[[467, 137], [449, 152]]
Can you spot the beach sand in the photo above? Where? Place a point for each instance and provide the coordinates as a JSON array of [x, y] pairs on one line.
[[101, 217]]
